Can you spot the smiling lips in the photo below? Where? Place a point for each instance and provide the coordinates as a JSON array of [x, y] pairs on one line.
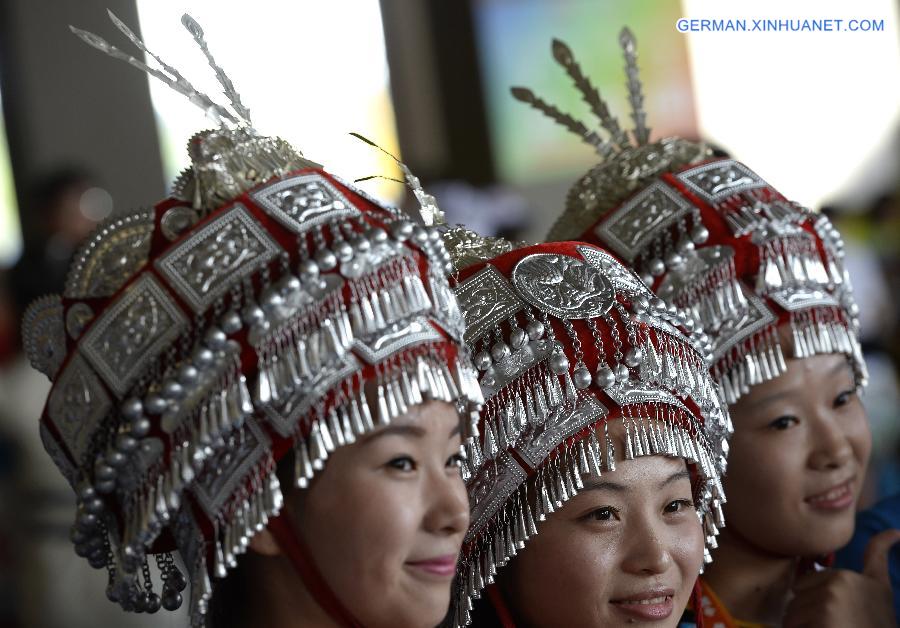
[[837, 497], [649, 605]]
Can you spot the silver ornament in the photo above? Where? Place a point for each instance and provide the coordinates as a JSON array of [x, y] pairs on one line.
[[604, 377], [581, 377]]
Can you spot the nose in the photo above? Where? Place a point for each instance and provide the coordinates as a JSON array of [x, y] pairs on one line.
[[831, 447], [448, 505], [647, 550]]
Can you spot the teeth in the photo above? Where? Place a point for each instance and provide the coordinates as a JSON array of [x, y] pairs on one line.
[[653, 600], [832, 494]]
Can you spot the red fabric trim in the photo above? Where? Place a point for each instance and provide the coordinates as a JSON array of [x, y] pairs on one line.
[[500, 607], [299, 556], [696, 600]]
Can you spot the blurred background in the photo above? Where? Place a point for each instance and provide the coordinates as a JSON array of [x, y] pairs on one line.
[[83, 137]]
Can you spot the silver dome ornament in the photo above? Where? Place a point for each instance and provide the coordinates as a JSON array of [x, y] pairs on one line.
[[126, 443], [326, 260], [188, 375], [116, 459], [419, 235], [483, 360], [674, 260], [581, 377], [686, 246], [172, 390], [271, 299], [656, 267], [377, 235], [648, 280], [622, 374], [659, 305], [132, 408], [231, 322], [634, 356], [402, 230], [94, 506], [308, 269], [500, 351], [604, 377], [203, 357], [253, 314], [215, 338], [517, 338], [360, 243], [559, 363], [154, 404], [699, 234], [535, 330], [140, 427], [343, 250]]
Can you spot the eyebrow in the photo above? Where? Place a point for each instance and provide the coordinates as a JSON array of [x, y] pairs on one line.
[[403, 430], [606, 485]]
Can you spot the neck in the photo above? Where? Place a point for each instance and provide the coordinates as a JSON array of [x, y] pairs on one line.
[[753, 585], [281, 599]]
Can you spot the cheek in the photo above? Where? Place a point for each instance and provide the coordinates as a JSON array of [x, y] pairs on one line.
[[581, 563], [859, 434], [360, 533], [686, 547]]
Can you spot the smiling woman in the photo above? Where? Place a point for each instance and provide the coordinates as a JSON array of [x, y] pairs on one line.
[[383, 524], [594, 487], [265, 372]]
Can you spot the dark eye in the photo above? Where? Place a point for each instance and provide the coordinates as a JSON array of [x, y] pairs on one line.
[[783, 422], [844, 398], [402, 463], [678, 505], [606, 513]]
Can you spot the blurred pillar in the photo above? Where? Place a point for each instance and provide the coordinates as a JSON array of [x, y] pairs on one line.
[[66, 104]]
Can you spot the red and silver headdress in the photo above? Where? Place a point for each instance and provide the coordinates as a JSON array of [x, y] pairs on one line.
[[567, 340], [712, 236], [198, 342]]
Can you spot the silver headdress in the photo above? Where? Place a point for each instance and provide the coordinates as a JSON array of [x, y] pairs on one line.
[[628, 159], [712, 236], [199, 342], [568, 340]]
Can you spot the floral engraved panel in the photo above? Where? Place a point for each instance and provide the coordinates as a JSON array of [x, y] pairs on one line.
[[132, 332], [215, 257]]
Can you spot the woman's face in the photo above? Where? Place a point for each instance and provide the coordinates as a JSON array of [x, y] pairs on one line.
[[798, 455], [385, 520], [626, 549]]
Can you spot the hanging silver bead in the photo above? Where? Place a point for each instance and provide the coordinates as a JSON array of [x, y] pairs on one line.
[[326, 259], [230, 322], [604, 377], [308, 269], [634, 356], [535, 329], [500, 351], [622, 373], [699, 234], [559, 363], [582, 377], [483, 360], [517, 338], [657, 267]]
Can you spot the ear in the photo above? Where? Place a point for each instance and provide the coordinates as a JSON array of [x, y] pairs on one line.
[[264, 543]]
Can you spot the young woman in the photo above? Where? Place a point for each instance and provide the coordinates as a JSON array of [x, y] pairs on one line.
[[595, 484], [764, 277], [267, 326]]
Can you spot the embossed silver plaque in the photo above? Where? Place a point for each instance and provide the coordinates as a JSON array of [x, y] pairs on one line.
[[566, 287], [132, 332], [303, 202], [205, 266]]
